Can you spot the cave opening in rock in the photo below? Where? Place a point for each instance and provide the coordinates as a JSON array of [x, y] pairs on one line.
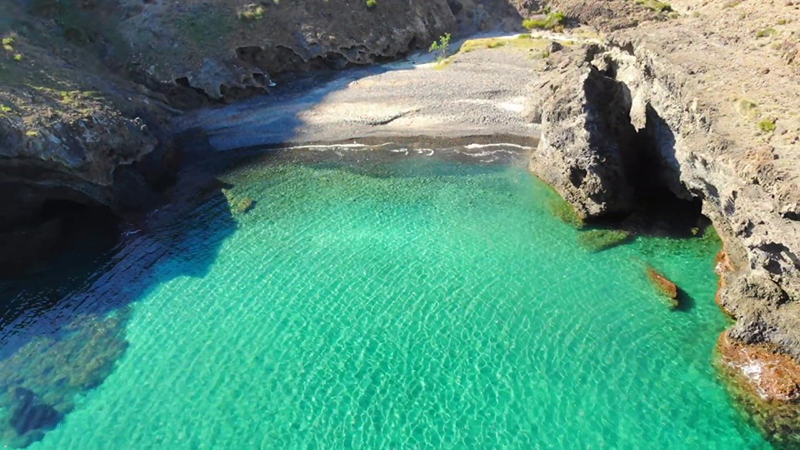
[[651, 198], [661, 202]]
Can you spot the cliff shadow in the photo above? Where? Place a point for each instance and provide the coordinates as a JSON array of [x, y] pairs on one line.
[[685, 301], [64, 324]]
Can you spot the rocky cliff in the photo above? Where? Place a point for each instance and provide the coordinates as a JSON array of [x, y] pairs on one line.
[[699, 105], [88, 89]]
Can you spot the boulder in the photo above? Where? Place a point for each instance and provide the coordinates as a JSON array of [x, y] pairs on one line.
[[664, 285]]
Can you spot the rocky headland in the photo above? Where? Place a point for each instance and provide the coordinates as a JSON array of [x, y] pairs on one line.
[[632, 106]]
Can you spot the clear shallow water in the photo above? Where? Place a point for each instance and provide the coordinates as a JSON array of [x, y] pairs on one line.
[[400, 302]]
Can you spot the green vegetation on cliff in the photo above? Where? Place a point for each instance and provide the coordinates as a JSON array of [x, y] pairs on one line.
[[655, 5], [553, 21]]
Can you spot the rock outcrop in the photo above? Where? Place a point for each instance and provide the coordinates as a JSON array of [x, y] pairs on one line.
[[674, 106], [664, 286], [767, 383], [227, 49]]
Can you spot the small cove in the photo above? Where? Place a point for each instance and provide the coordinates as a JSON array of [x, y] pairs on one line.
[[389, 298]]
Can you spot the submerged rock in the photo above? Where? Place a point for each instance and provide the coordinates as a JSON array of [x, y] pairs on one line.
[[242, 205], [597, 240], [564, 212], [45, 375], [30, 413], [238, 204], [767, 383], [666, 287]]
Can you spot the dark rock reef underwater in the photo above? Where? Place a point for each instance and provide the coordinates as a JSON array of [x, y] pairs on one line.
[[40, 381], [64, 331]]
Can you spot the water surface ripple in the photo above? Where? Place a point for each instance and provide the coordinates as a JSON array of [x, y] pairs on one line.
[[419, 300]]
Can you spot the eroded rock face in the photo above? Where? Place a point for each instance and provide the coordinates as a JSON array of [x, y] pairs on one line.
[[581, 149], [745, 178], [53, 151], [224, 47], [773, 376]]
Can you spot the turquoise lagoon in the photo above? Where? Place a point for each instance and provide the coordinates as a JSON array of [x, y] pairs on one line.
[[379, 298]]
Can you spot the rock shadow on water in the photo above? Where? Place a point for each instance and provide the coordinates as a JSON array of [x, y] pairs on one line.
[[685, 301], [61, 336]]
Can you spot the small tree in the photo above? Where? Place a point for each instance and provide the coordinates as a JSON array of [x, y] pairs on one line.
[[441, 46]]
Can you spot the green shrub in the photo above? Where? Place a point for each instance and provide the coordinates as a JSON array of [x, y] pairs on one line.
[[553, 21], [441, 46], [655, 5], [372, 3], [747, 108], [767, 125], [252, 12], [765, 32]]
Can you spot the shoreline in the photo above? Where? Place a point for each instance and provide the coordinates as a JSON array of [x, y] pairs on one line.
[[476, 93], [386, 105]]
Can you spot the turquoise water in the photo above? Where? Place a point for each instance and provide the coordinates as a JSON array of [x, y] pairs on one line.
[[390, 301]]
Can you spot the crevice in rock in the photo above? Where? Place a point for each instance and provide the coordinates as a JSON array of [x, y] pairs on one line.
[[282, 59], [791, 215], [185, 96], [232, 94]]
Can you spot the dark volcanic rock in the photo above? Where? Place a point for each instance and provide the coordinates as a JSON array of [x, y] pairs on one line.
[[580, 152]]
